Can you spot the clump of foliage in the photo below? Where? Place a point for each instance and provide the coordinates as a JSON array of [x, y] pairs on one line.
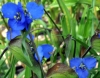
[[69, 43]]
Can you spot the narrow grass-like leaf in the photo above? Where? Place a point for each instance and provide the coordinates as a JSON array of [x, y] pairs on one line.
[[67, 15], [19, 55], [92, 51], [68, 43], [27, 72], [21, 74], [12, 72], [64, 26]]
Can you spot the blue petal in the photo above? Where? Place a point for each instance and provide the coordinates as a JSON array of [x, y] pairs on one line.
[[47, 49], [28, 22], [21, 11], [16, 25], [35, 10], [28, 19], [75, 62], [99, 35], [89, 62], [82, 73], [40, 53], [11, 34], [29, 37], [9, 10], [30, 5]]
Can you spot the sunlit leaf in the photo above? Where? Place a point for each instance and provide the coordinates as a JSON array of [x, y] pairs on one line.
[[95, 41]]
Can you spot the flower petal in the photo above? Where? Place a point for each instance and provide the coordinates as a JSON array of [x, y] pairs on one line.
[[21, 11], [47, 49], [11, 34], [16, 25], [9, 10], [29, 37], [99, 35], [82, 73], [75, 62], [35, 10], [40, 53], [28, 22], [28, 19], [90, 62]]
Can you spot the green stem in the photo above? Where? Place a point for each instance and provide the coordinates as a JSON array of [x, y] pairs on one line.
[[3, 52], [86, 51], [35, 50], [4, 20], [74, 48], [54, 23]]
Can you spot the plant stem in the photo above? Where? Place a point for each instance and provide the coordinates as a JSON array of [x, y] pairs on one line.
[[35, 50], [74, 48], [54, 23], [86, 51], [4, 20], [3, 52]]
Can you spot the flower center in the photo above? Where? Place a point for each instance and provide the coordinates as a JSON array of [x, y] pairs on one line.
[[27, 13], [17, 16], [82, 66]]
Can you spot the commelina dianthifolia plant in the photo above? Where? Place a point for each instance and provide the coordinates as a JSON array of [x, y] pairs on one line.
[[19, 20]]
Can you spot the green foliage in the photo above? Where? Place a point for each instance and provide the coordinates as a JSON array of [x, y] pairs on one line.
[[16, 49], [68, 25]]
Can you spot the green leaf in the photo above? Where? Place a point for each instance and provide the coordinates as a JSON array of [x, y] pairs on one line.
[[19, 55], [92, 51], [67, 15], [35, 65], [21, 74], [57, 75], [68, 43], [97, 75], [21, 51], [16, 49], [95, 42], [88, 25], [12, 71], [64, 26], [81, 26], [3, 66], [27, 72], [90, 2]]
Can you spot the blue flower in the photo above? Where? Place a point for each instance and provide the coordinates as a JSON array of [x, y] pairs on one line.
[[36, 11], [44, 51], [16, 15], [81, 66], [19, 19]]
